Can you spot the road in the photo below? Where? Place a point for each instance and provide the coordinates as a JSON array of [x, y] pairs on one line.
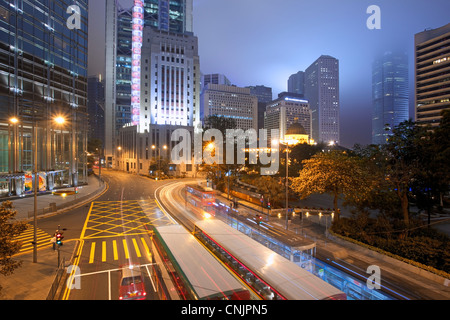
[[113, 232]]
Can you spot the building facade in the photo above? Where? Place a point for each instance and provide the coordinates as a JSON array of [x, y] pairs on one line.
[[43, 75], [214, 78], [170, 79], [296, 83], [230, 102], [264, 95], [322, 92], [432, 75], [287, 110], [96, 102], [390, 95], [173, 16]]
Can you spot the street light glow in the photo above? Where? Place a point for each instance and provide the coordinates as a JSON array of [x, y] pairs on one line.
[[14, 120], [60, 120]]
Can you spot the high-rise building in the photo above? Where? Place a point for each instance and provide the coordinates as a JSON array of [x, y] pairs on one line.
[[214, 78], [170, 80], [296, 83], [43, 75], [432, 75], [264, 95], [287, 110], [390, 95], [173, 16], [322, 92], [96, 102], [230, 102]]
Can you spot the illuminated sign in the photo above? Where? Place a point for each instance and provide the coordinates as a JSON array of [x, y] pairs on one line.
[[296, 100], [137, 35]]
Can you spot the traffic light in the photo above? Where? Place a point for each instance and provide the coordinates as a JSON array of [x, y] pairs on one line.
[[260, 218], [268, 205], [59, 237]]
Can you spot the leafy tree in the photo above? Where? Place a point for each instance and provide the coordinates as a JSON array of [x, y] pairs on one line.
[[9, 230], [220, 123], [271, 189], [333, 172], [403, 161]]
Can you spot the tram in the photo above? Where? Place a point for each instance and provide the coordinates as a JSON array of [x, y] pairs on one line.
[[272, 276], [195, 273]]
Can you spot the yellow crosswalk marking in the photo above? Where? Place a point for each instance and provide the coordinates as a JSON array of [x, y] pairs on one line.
[[103, 251], [91, 259], [27, 237], [116, 255], [138, 252], [125, 247], [145, 246]]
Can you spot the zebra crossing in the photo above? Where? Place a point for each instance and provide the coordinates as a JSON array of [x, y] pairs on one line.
[[27, 238], [119, 249]]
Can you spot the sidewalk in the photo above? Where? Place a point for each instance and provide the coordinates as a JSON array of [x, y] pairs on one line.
[[420, 282], [50, 204], [33, 281]]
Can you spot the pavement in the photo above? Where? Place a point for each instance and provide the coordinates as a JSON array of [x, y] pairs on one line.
[[33, 281]]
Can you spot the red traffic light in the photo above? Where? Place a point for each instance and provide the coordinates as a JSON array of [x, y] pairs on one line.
[[59, 238]]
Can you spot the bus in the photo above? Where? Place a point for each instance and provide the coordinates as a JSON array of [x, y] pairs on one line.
[[195, 273], [200, 200]]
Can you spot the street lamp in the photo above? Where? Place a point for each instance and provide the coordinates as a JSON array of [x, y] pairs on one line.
[[159, 156], [287, 142], [59, 120]]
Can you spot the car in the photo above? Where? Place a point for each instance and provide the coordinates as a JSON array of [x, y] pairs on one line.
[[131, 286]]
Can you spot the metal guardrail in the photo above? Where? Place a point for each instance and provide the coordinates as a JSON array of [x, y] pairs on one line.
[[59, 274]]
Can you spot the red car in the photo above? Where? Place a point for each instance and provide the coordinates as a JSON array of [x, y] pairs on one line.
[[131, 285]]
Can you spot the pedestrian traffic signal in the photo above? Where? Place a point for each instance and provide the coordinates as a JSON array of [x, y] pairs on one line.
[[59, 237]]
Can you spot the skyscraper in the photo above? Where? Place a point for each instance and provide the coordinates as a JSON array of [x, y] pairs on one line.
[[96, 101], [296, 83], [173, 16], [264, 95], [214, 78], [170, 81], [390, 95], [432, 75], [43, 67], [322, 92]]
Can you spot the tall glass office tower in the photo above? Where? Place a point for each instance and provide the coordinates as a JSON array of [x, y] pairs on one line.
[[390, 95], [43, 74], [322, 92]]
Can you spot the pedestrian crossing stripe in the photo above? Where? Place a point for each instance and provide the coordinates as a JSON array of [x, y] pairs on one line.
[[100, 250], [27, 237]]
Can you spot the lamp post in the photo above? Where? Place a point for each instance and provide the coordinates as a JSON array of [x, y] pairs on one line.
[[58, 120], [159, 156], [288, 142]]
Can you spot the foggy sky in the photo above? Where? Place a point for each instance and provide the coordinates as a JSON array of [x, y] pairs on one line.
[[263, 42]]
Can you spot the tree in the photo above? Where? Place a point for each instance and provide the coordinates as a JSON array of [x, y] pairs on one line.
[[271, 189], [333, 172], [403, 161], [9, 230]]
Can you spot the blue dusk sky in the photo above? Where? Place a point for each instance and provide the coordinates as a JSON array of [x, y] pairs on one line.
[[263, 42]]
